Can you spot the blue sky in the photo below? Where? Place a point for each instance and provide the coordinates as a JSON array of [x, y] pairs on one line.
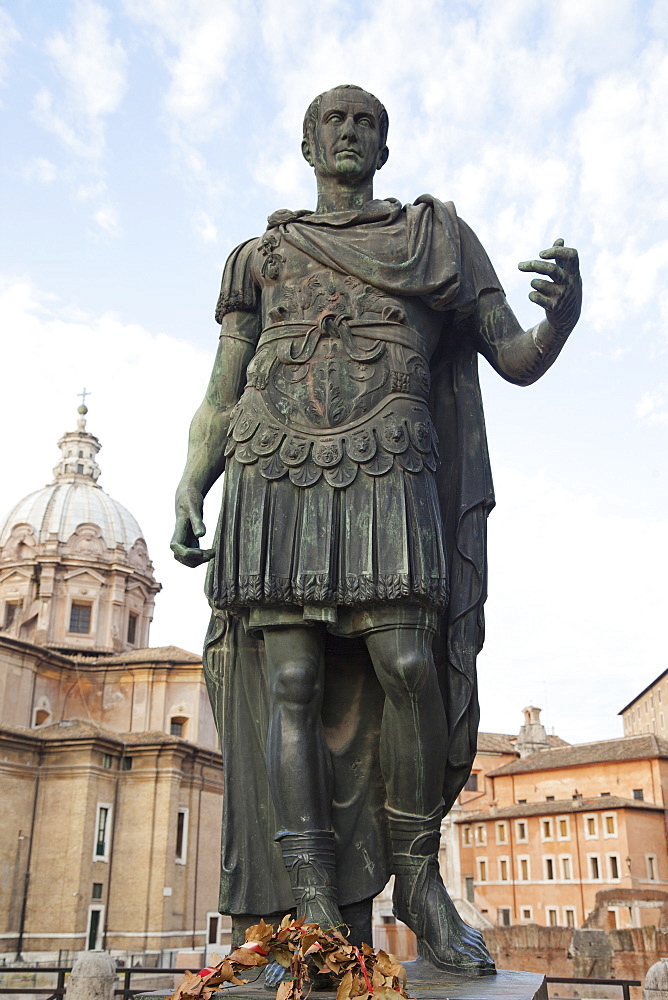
[[144, 139]]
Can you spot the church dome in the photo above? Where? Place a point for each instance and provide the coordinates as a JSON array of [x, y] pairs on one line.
[[74, 498], [58, 509], [74, 569]]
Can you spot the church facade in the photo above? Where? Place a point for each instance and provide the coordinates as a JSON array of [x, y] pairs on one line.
[[110, 773]]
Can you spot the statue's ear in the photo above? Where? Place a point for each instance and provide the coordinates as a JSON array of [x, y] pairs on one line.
[[306, 152], [382, 157]]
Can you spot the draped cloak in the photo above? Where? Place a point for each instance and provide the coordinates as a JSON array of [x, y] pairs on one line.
[[443, 265]]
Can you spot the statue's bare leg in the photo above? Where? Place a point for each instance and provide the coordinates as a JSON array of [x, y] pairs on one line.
[[299, 768], [412, 758]]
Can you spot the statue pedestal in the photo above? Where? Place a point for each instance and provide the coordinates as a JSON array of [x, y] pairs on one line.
[[424, 983], [427, 983]]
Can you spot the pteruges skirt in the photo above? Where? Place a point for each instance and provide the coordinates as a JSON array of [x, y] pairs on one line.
[[318, 553]]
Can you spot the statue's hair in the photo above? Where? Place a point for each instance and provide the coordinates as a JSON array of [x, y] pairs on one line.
[[313, 111]]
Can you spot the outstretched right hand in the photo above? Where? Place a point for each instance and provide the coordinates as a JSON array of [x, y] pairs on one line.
[[189, 529]]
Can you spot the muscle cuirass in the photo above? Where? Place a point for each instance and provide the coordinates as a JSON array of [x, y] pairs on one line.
[[339, 382]]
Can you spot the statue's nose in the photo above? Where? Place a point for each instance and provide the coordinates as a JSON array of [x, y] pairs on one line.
[[348, 130]]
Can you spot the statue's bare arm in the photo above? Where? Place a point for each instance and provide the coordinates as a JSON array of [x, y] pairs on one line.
[[523, 356], [208, 435]]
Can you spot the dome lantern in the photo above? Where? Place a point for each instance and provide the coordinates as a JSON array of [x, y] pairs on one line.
[[78, 453]]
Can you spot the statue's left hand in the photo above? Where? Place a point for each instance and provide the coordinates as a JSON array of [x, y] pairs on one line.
[[561, 298]]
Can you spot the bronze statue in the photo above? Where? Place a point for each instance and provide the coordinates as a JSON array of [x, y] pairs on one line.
[[347, 577]]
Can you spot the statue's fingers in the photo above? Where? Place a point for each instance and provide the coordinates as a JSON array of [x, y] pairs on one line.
[[558, 242], [190, 556], [559, 253], [541, 300], [543, 267], [198, 526], [549, 288]]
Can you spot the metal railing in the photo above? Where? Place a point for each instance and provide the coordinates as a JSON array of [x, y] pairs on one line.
[[127, 991], [51, 992], [625, 984]]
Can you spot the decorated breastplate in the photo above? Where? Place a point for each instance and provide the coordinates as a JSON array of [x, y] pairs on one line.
[[334, 396]]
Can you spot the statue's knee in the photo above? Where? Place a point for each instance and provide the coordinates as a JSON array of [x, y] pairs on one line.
[[296, 682], [407, 672]]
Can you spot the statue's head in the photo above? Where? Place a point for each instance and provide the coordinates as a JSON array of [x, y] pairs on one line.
[[345, 132]]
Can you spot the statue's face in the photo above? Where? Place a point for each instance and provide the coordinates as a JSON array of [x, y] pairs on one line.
[[346, 140]]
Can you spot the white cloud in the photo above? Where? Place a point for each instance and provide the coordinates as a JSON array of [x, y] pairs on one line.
[[92, 67], [145, 388], [205, 228], [197, 41], [107, 219], [652, 408], [40, 169], [8, 36]]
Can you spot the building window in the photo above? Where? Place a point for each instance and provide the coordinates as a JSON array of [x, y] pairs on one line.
[[502, 833], [546, 829], [472, 783], [482, 869], [80, 618], [563, 828], [132, 628], [503, 869], [11, 612], [613, 865], [552, 917], [639, 794], [42, 717], [94, 931], [523, 865], [102, 827], [181, 836], [549, 868], [481, 833], [569, 916], [609, 825], [503, 916], [177, 725], [97, 890], [107, 761], [590, 827], [651, 867], [79, 468], [527, 914], [466, 836], [126, 764], [594, 867], [549, 798], [469, 888], [566, 870], [522, 829], [212, 925]]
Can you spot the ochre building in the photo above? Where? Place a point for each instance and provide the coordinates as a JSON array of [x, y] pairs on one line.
[[110, 775], [542, 827]]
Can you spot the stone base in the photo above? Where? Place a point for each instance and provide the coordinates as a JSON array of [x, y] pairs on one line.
[[424, 983], [427, 983]]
